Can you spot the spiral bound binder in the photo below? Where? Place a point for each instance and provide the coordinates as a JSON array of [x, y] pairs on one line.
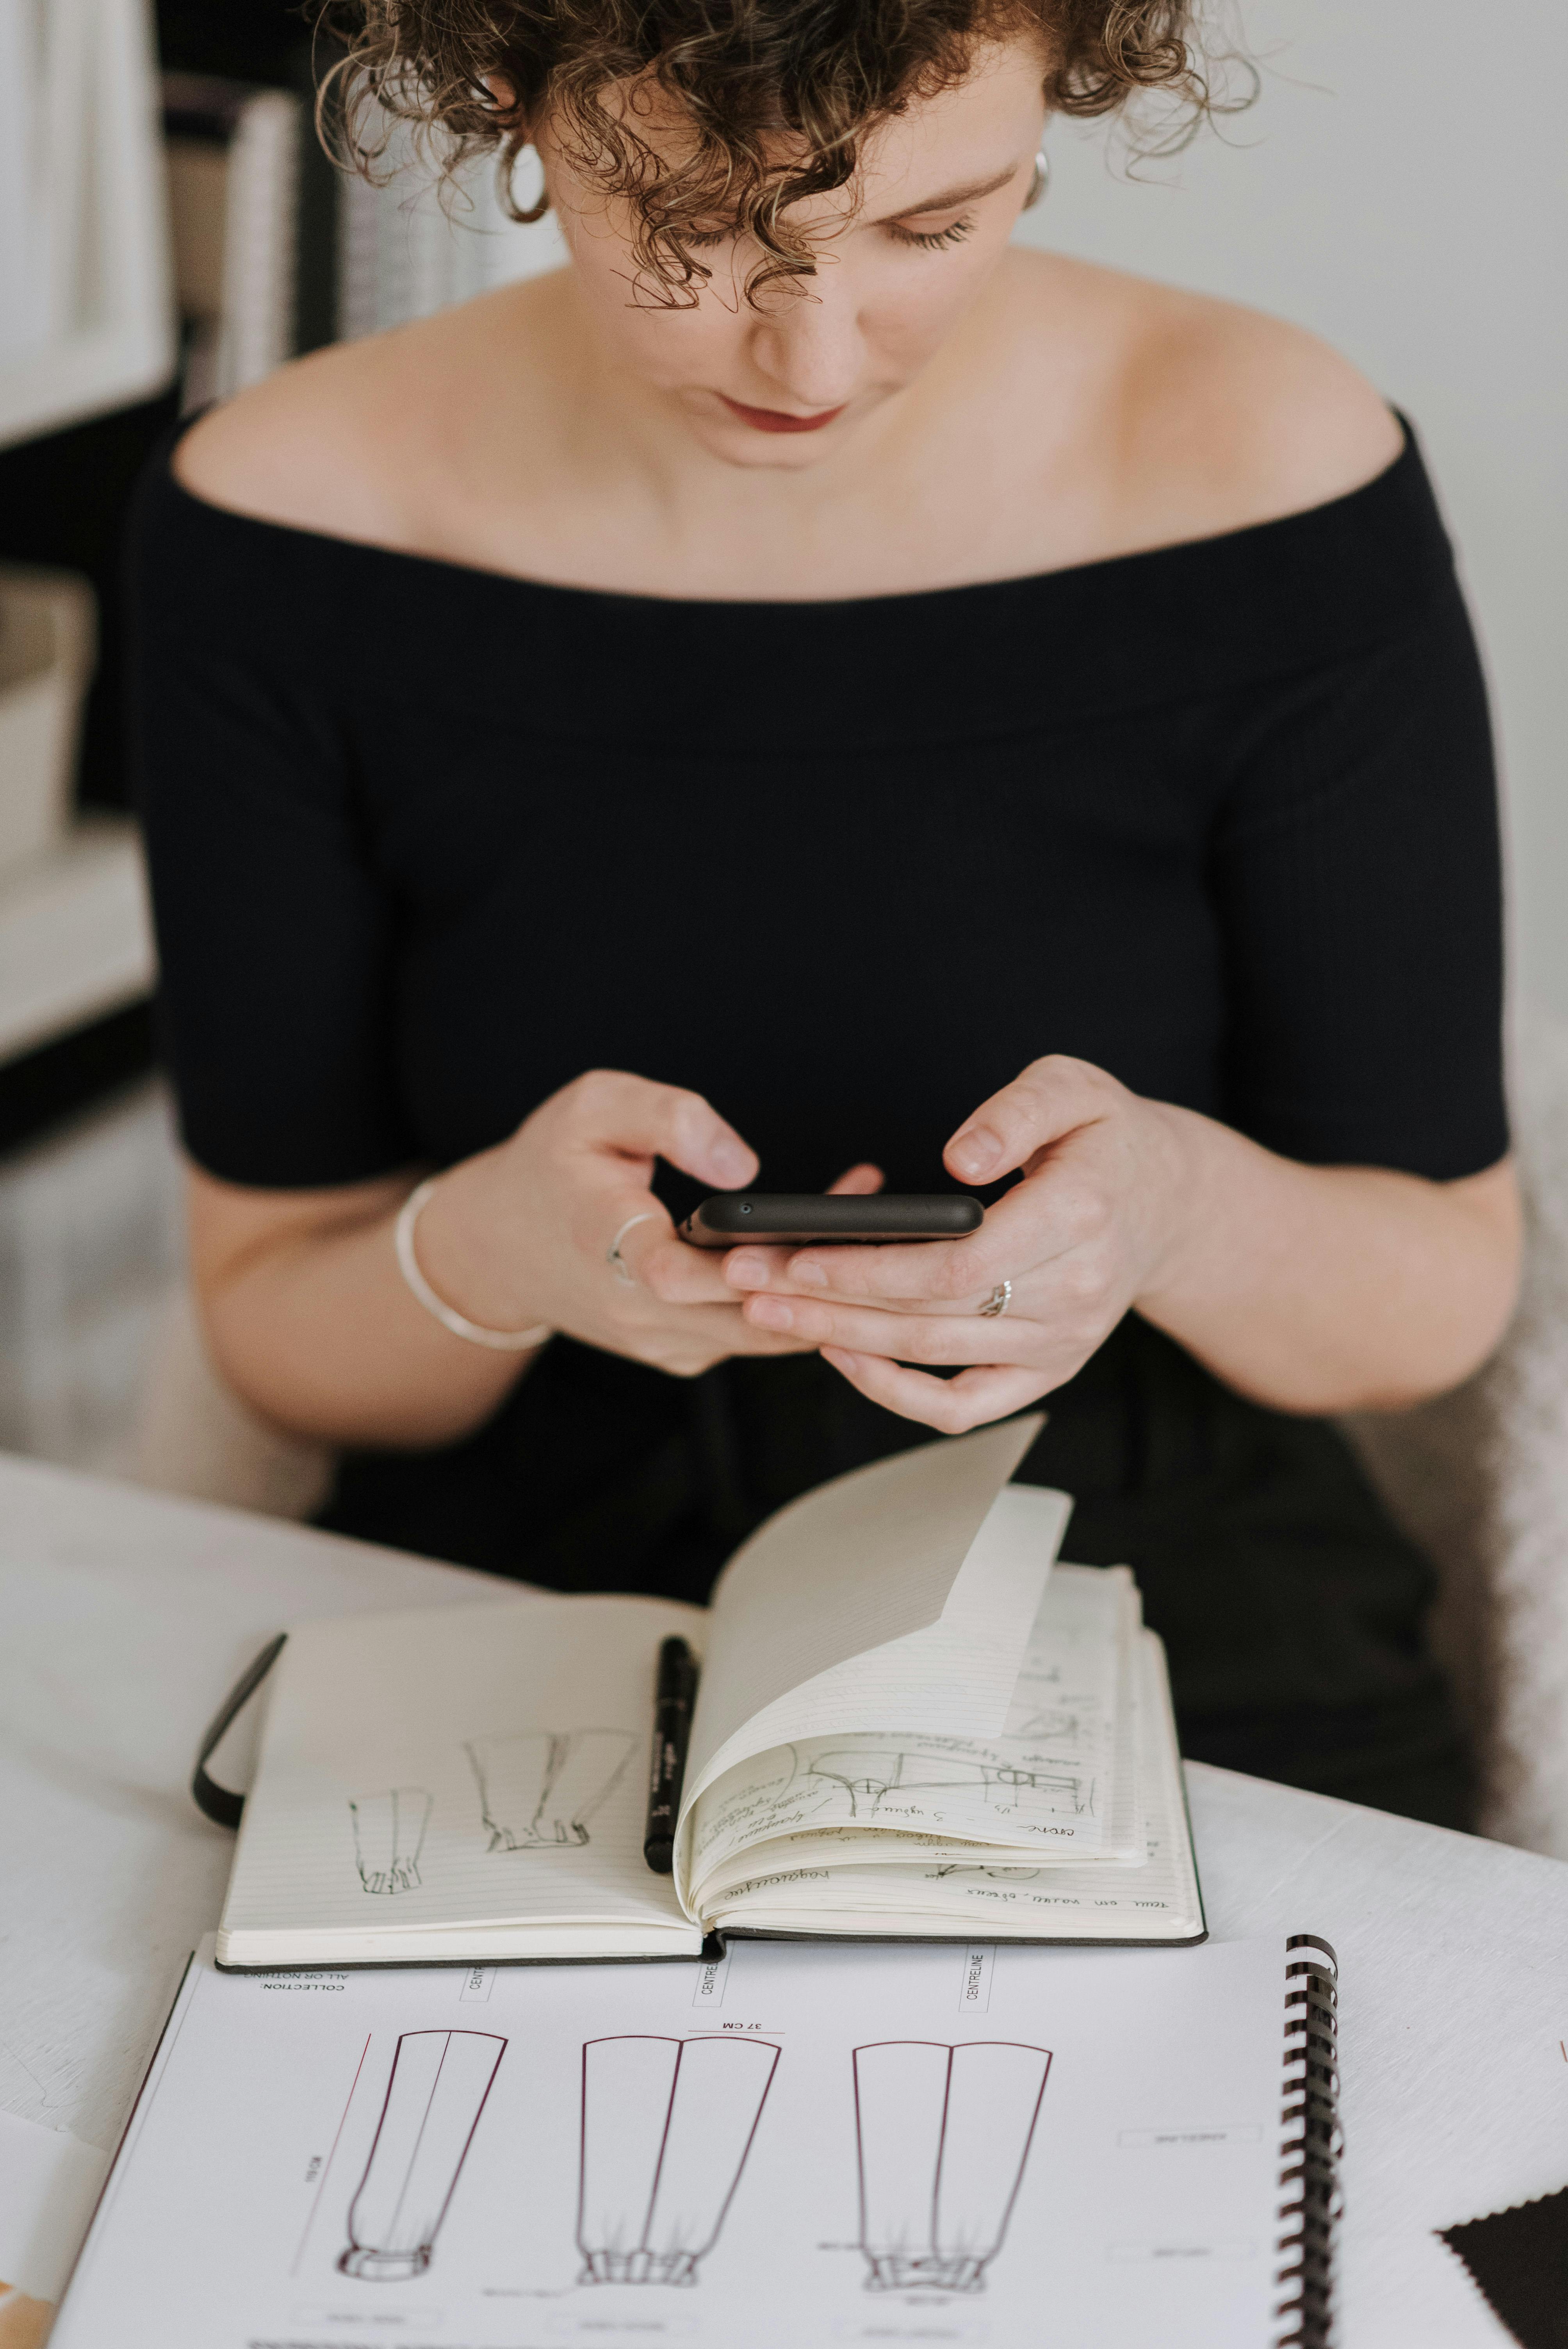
[[1310, 2146]]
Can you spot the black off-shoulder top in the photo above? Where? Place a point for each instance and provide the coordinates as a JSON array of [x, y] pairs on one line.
[[428, 842]]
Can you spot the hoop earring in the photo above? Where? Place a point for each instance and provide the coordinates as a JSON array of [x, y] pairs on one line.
[[539, 205], [1040, 183]]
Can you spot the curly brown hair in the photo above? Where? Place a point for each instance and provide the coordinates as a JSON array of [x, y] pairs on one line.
[[777, 95]]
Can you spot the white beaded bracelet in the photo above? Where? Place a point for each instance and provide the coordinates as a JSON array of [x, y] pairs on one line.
[[501, 1342]]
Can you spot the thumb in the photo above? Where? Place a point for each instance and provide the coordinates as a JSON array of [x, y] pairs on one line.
[[1052, 1097]]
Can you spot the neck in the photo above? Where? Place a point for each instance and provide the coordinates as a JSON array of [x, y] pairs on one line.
[[624, 432]]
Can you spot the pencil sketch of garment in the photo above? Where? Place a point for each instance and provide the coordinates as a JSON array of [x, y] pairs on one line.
[[868, 1777], [666, 2127], [388, 1837], [434, 2098], [544, 1788], [943, 2134]]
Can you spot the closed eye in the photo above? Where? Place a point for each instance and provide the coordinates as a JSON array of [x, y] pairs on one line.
[[931, 240], [927, 240]]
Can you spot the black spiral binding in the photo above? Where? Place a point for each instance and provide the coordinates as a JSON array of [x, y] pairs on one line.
[[1310, 2146]]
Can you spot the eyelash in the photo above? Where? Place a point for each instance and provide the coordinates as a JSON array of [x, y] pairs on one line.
[[935, 241]]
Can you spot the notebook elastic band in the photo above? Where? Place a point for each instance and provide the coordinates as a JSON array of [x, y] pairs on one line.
[[221, 1804]]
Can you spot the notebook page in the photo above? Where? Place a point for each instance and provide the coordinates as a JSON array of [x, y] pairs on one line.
[[481, 1763], [838, 1848], [944, 1892], [867, 1560], [1048, 1784], [983, 2145], [956, 1677]]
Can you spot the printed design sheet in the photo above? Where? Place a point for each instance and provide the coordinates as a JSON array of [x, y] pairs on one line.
[[954, 2143]]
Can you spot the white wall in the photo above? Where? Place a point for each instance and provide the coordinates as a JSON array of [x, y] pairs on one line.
[[1401, 187]]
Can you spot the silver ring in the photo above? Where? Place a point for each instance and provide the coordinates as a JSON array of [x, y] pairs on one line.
[[615, 1260], [996, 1304]]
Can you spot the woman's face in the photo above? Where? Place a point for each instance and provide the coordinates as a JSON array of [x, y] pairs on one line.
[[899, 255]]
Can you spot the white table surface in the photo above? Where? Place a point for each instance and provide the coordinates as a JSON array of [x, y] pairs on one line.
[[124, 1616]]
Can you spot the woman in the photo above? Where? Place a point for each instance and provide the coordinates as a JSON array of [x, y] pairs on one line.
[[923, 708]]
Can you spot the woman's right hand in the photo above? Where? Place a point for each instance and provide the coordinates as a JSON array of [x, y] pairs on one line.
[[310, 1322], [521, 1234]]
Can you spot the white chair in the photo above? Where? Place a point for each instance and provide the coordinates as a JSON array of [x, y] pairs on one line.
[[1479, 1477]]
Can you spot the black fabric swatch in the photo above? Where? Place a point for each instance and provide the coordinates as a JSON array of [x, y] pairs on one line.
[[1520, 2260]]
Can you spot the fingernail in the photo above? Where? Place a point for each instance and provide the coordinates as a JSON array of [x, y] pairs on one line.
[[808, 1271], [731, 1163], [742, 1271], [770, 1313], [839, 1359], [974, 1151]]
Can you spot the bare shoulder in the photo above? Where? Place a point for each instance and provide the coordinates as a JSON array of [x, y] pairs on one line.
[[1214, 417], [1270, 419], [361, 441]]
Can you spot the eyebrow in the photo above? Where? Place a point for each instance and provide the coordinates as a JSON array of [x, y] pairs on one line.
[[951, 196]]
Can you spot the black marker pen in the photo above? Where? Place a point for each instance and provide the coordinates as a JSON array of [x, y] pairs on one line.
[[673, 1696]]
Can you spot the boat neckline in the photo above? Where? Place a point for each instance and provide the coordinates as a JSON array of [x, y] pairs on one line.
[[1244, 535]]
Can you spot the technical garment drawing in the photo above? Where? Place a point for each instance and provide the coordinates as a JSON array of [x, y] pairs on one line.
[[388, 1837], [869, 1779], [542, 1788], [434, 2098], [943, 2134], [666, 2127]]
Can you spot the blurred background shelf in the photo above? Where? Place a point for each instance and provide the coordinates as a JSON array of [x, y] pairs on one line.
[[75, 936]]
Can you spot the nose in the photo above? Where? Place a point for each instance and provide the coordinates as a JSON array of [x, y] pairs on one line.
[[808, 344]]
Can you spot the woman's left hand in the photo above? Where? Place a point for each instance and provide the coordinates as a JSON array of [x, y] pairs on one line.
[[1090, 1227]]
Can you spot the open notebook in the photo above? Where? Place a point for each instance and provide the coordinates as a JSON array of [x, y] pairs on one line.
[[988, 2145], [907, 1725]]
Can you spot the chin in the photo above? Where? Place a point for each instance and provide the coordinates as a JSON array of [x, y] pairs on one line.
[[758, 452]]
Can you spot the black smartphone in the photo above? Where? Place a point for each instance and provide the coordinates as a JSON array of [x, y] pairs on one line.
[[780, 1219]]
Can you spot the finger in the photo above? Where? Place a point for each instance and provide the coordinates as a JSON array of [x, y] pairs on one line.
[[680, 1274], [629, 1228], [951, 1405], [756, 1268], [694, 1337], [857, 1181], [924, 1272], [723, 1325], [643, 1251], [1040, 1219], [1052, 1097], [901, 1337], [611, 1110]]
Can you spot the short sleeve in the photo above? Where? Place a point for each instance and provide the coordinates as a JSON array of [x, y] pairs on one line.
[[1357, 871], [274, 933]]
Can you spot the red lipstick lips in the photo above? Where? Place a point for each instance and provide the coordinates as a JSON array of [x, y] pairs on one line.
[[775, 420]]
